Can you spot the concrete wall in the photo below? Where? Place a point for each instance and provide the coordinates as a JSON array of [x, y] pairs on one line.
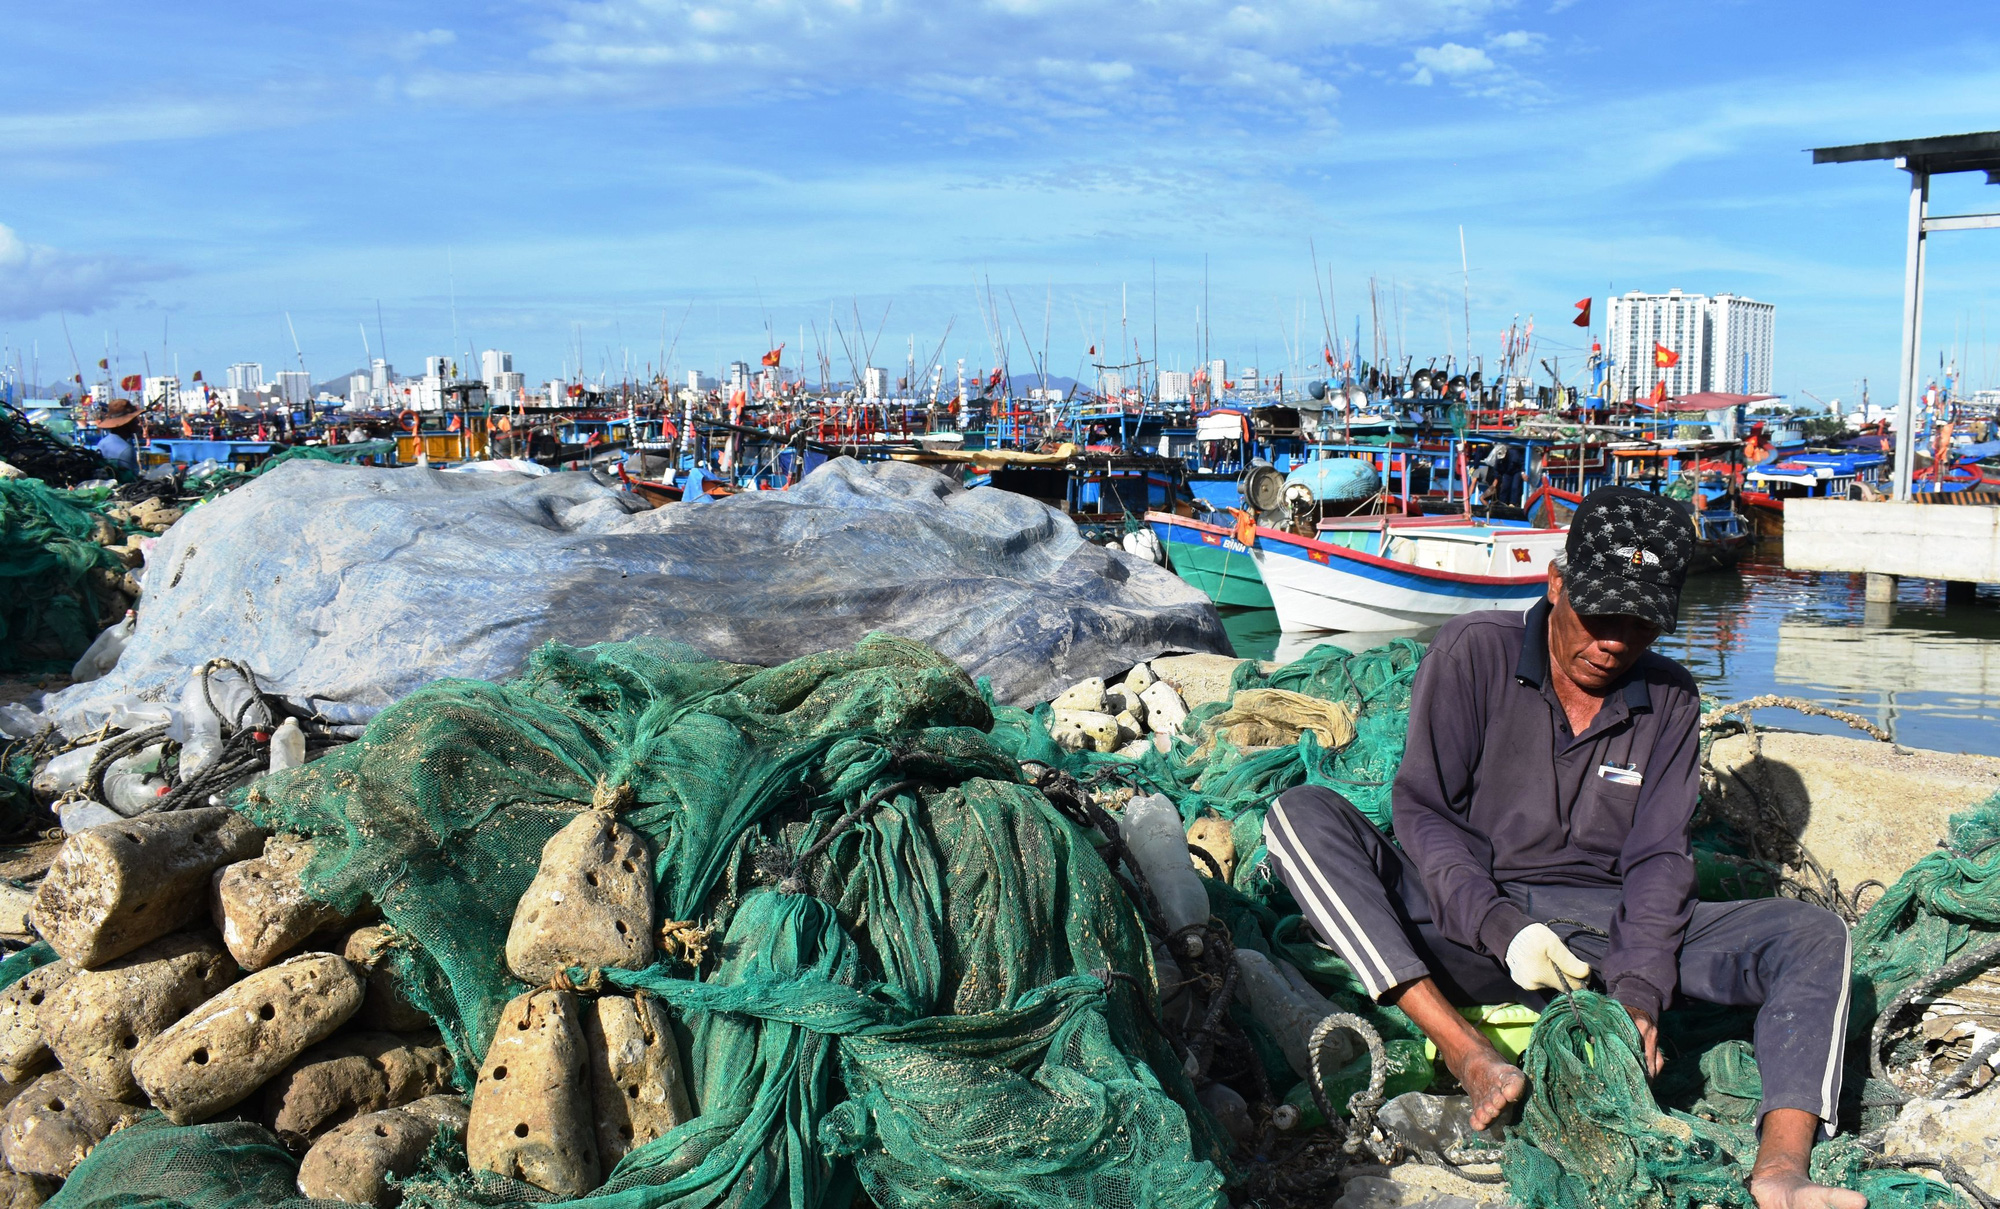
[[1922, 541]]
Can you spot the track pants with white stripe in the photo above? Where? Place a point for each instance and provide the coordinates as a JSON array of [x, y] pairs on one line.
[[1365, 899]]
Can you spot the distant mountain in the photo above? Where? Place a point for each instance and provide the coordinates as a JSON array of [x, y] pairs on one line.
[[337, 385]]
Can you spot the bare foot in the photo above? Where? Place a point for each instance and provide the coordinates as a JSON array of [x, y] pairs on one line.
[[1793, 1190], [1491, 1083]]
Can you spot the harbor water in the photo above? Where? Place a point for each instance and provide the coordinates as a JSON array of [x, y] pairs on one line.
[[1926, 673]]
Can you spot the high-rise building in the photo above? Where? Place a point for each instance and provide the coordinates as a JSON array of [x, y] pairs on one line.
[[493, 363], [1740, 338], [246, 375], [295, 387], [698, 381], [1173, 386], [163, 393], [507, 388], [359, 388], [875, 383], [380, 374], [1721, 343]]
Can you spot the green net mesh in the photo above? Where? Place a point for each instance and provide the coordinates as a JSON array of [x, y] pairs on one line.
[[48, 610], [1592, 1136], [1239, 785], [916, 1012], [228, 478]]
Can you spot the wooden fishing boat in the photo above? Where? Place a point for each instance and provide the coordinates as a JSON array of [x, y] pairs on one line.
[[1403, 573], [1211, 558]]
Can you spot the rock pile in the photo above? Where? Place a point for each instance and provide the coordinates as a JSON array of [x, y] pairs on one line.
[[1139, 711], [195, 976]]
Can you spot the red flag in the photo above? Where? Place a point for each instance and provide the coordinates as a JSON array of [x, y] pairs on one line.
[[576, 391], [1659, 392], [102, 363], [1665, 357], [455, 425], [79, 379], [197, 375], [1329, 356], [995, 379], [771, 358], [1582, 314], [130, 382], [1093, 350]]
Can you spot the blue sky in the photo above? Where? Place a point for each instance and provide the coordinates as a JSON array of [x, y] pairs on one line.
[[179, 177]]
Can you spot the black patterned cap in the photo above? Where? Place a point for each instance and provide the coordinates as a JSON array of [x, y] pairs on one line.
[[1628, 553]]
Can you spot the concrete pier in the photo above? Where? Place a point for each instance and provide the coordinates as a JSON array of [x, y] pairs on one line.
[[1950, 542]]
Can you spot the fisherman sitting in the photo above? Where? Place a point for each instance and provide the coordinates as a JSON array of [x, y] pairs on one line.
[[1542, 810]]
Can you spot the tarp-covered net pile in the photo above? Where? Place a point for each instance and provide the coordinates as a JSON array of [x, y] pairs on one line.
[[899, 969]]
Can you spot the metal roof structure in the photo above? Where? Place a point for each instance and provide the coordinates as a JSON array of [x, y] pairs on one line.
[[1946, 153], [1922, 159]]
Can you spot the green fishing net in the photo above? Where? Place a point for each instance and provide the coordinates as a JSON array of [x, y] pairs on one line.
[[1941, 908], [48, 610], [228, 478], [1592, 1136], [1593, 1133], [1239, 785], [948, 1004]]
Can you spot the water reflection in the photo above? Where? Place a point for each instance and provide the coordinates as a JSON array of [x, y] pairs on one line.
[[1927, 673]]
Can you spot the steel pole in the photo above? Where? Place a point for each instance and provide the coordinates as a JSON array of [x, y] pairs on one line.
[[1913, 324]]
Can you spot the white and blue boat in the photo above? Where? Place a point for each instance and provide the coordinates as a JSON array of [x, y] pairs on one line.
[[1405, 573]]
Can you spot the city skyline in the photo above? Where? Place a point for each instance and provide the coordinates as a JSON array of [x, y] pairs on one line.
[[541, 177]]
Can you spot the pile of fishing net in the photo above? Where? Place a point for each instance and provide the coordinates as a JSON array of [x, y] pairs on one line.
[[914, 978], [55, 578], [41, 454]]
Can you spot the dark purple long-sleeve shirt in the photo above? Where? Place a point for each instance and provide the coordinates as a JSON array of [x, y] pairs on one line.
[[1495, 790]]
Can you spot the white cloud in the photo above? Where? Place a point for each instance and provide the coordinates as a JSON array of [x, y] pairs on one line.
[[411, 46], [1172, 56], [36, 279], [1451, 59], [1518, 39]]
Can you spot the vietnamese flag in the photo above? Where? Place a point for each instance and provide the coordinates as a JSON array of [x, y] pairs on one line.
[[1664, 357], [129, 382], [771, 358], [103, 363], [197, 375], [1659, 392], [1582, 313]]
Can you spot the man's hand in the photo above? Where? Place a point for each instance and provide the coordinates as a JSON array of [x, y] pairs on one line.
[[1649, 1036], [1538, 960]]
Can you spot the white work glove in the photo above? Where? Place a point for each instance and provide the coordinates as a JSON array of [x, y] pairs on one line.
[[1536, 954]]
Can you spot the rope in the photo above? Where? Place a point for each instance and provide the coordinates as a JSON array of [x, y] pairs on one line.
[[795, 882], [1951, 1171], [1361, 1106], [1771, 701], [1985, 955]]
